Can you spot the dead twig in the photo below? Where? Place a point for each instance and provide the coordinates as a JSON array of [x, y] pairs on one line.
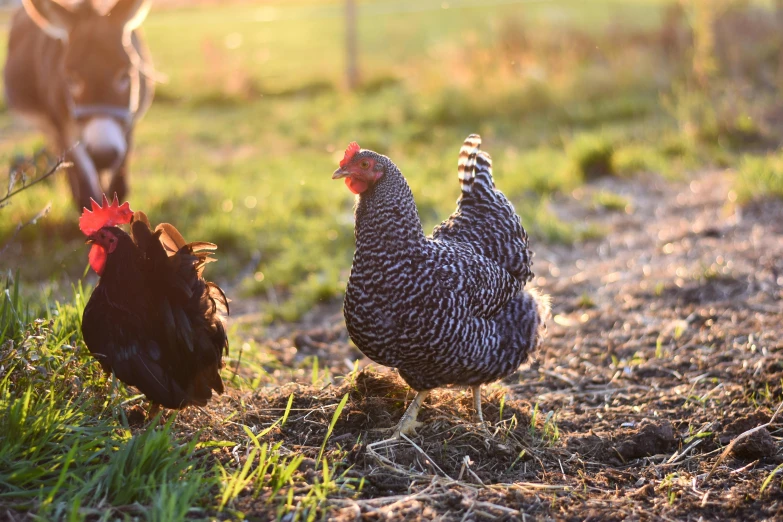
[[679, 456], [560, 377], [739, 438], [529, 486], [430, 459], [466, 462], [496, 507], [12, 182], [61, 163]]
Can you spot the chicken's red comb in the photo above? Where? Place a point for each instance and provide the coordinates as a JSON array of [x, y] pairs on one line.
[[352, 149], [105, 215]]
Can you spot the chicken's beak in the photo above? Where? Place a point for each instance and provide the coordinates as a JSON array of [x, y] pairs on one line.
[[90, 239], [340, 173]]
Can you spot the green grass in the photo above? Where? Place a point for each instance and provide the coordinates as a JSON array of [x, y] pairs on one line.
[[68, 453], [608, 200], [63, 448], [239, 146], [591, 157], [759, 177]]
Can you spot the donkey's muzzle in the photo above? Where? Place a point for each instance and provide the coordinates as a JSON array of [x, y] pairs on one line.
[[104, 158], [104, 139]]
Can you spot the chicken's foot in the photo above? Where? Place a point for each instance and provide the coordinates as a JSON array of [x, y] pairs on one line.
[[155, 408], [155, 415], [408, 422]]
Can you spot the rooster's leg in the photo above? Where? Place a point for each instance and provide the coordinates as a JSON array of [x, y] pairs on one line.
[[154, 410], [408, 422], [477, 402]]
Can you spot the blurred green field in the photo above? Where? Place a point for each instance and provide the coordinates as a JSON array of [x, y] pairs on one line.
[[240, 143]]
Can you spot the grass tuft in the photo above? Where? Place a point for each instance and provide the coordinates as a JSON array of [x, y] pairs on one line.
[[591, 156], [759, 177]]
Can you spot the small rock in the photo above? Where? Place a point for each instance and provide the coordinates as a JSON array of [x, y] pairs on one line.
[[307, 464], [650, 439], [756, 446]]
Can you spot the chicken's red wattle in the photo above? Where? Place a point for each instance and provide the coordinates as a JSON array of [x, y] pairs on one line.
[[356, 186]]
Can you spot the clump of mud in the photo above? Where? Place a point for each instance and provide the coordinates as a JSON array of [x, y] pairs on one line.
[[648, 439], [758, 445], [651, 438]]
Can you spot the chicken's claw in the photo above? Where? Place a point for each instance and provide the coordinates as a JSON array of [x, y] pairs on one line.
[[408, 422], [407, 426]]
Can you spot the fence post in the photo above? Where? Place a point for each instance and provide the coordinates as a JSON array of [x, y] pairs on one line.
[[352, 67], [779, 18]]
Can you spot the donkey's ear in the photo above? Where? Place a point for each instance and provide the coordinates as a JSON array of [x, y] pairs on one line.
[[53, 19], [131, 13]]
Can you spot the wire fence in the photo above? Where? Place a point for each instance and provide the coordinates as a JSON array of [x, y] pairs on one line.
[[279, 13]]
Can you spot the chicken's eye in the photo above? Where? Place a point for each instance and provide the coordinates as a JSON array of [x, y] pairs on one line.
[[364, 164]]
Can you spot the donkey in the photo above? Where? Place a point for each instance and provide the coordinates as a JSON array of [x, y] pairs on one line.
[[83, 79]]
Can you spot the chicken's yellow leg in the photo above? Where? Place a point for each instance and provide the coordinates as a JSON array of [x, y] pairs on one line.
[[477, 402], [408, 422]]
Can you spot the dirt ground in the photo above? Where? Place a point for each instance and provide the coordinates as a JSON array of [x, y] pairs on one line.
[[664, 346]]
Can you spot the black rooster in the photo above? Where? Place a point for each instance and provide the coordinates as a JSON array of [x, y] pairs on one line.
[[152, 319]]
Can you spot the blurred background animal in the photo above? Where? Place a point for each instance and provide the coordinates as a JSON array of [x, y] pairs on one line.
[[449, 309], [153, 319], [82, 78]]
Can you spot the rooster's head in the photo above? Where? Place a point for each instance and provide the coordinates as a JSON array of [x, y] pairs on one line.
[[360, 168], [100, 227]]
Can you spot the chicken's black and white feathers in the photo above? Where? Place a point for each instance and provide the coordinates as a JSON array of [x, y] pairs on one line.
[[448, 309], [484, 216]]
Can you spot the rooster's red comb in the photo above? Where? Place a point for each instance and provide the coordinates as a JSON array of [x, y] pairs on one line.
[[352, 149], [105, 215]]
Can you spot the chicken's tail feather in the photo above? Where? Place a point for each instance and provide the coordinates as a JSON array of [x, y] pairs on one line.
[[474, 166], [466, 165]]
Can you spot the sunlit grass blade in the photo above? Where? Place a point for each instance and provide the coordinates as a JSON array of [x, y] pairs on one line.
[[336, 416], [769, 478], [287, 409]]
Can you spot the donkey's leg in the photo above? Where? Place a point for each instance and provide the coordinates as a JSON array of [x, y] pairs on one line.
[[83, 177], [119, 179]]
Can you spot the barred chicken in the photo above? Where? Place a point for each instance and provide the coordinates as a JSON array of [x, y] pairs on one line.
[[446, 310], [152, 319]]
